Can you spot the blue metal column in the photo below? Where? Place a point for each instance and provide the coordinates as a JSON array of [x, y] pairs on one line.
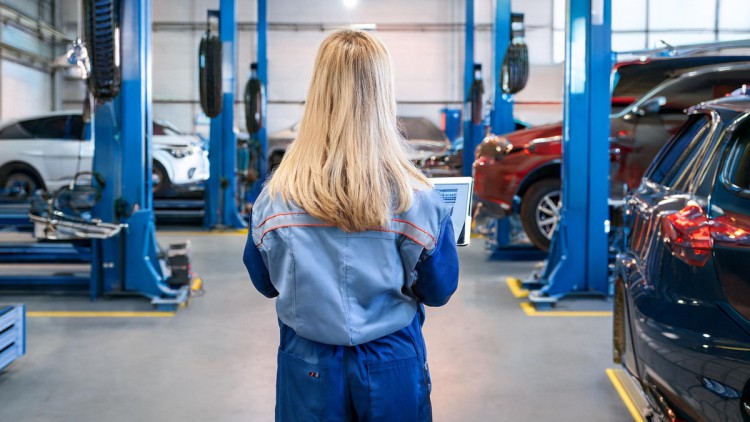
[[221, 209], [262, 135], [502, 109], [578, 254], [472, 132], [122, 135]]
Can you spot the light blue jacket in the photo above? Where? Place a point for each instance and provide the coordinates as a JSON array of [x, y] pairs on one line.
[[346, 289]]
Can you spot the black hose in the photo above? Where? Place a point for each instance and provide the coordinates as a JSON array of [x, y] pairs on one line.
[[100, 31]]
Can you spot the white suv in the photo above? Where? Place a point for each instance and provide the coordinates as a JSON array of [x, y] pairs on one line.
[[46, 152]]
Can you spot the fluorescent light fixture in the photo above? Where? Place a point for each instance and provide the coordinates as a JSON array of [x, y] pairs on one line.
[[365, 26], [350, 3]]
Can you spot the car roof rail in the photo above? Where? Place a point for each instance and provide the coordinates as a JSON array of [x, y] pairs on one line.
[[669, 50]]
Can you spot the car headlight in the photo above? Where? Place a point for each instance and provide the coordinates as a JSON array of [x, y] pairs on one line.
[[495, 147], [179, 152]]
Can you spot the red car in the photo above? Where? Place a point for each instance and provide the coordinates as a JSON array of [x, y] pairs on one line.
[[520, 172]]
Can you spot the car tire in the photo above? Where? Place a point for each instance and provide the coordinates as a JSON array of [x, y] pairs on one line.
[[618, 324], [209, 75], [540, 211], [20, 183], [100, 17], [160, 179], [514, 72], [253, 105]]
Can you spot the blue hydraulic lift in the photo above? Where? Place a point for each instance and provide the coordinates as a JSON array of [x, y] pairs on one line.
[[501, 121], [128, 262], [578, 258], [221, 187]]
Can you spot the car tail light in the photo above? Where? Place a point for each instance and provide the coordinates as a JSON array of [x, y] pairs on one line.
[[687, 235], [690, 235]]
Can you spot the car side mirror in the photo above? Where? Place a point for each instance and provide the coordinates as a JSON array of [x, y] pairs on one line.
[[650, 106]]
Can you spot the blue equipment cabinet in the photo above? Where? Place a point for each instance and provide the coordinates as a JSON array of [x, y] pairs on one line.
[[12, 333], [578, 259]]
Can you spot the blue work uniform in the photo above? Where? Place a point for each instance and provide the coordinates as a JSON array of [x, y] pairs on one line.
[[350, 308]]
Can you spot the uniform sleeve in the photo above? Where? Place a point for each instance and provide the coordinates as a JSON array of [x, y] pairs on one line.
[[437, 274], [256, 267]]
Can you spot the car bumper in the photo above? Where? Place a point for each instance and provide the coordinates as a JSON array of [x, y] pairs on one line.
[[190, 172]]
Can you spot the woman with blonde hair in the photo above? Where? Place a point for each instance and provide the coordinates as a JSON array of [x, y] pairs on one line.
[[353, 241]]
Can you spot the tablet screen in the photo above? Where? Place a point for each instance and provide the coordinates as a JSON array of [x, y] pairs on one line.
[[457, 193]]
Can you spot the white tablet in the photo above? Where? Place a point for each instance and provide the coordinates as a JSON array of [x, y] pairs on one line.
[[457, 193]]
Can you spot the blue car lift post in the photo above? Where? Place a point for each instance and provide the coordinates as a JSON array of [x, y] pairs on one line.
[[221, 187], [473, 133], [502, 121], [578, 259], [262, 135], [129, 262]]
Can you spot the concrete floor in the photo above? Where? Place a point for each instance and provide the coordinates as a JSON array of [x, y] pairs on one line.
[[215, 360]]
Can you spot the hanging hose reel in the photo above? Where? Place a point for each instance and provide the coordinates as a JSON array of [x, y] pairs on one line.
[[514, 73], [103, 45]]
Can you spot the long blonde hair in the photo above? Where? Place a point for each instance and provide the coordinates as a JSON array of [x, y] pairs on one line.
[[348, 165]]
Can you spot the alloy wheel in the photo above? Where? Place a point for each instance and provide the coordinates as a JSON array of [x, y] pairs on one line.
[[548, 213]]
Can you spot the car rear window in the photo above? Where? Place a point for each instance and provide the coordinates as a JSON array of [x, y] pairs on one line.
[[15, 131], [55, 127], [737, 170], [672, 159]]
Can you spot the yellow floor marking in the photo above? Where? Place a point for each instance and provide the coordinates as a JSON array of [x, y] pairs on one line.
[[530, 310], [98, 314], [514, 284], [241, 232], [625, 396]]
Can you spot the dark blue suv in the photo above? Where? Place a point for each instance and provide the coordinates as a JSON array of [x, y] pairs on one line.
[[682, 282]]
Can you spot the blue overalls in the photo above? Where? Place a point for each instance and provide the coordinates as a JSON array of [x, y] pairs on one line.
[[350, 308]]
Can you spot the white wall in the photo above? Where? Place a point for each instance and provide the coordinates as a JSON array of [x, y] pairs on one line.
[[23, 91], [429, 64]]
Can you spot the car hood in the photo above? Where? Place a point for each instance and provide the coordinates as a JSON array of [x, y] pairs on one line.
[[522, 138], [423, 149], [174, 141]]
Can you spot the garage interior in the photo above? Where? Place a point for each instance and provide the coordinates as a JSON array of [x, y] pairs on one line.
[[123, 295]]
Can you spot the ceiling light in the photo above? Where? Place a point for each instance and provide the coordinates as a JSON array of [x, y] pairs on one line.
[[350, 3]]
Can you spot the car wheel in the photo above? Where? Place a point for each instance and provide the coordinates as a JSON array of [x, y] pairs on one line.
[[159, 179], [540, 211], [20, 184], [209, 75]]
